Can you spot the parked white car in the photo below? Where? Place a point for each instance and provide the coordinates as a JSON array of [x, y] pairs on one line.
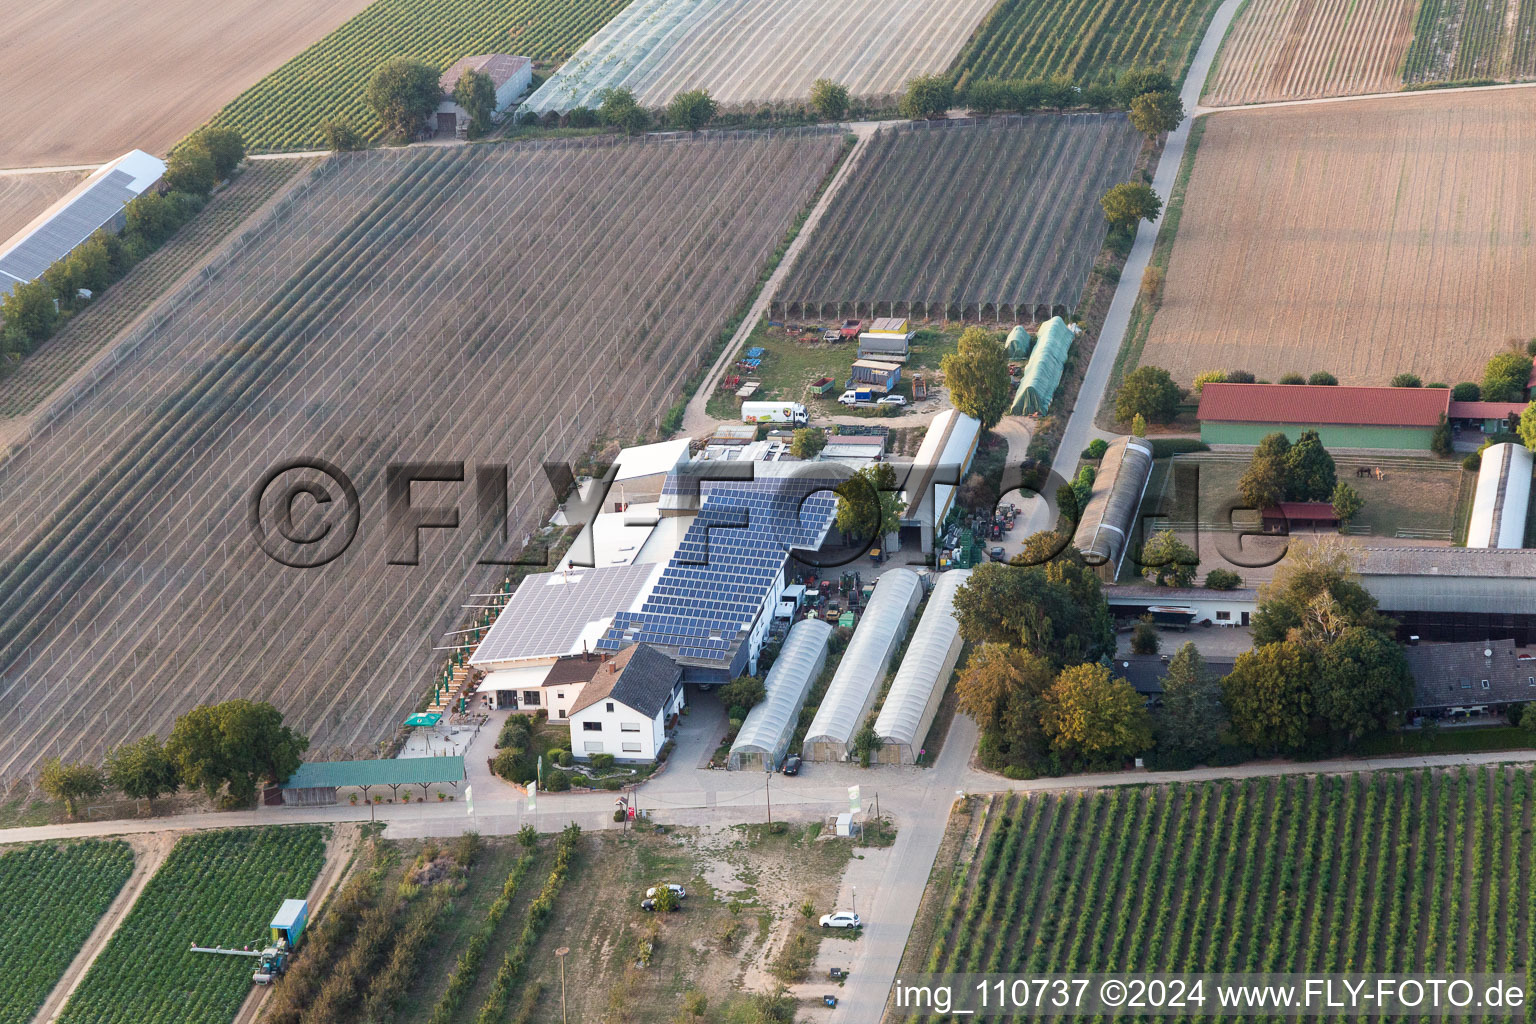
[[849, 397], [677, 891], [841, 919], [892, 400]]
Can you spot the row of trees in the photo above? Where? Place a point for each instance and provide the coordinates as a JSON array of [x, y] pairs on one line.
[[223, 749], [1147, 94]]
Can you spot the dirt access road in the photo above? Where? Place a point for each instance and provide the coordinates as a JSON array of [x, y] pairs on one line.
[[88, 80]]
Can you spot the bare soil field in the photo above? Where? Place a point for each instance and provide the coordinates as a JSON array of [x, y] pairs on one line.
[[1302, 49], [1389, 236], [88, 80], [24, 196]]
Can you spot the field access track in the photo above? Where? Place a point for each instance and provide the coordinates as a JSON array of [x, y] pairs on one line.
[[1389, 236], [1304, 49], [998, 219], [752, 53], [498, 304]]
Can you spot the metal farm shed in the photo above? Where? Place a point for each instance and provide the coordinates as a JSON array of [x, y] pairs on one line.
[[857, 680], [765, 735], [1043, 371], [1502, 498], [923, 675], [1104, 532]]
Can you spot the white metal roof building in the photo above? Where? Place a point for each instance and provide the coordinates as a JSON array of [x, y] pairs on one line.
[[1502, 498], [940, 466], [857, 681], [765, 735], [923, 675], [96, 203]]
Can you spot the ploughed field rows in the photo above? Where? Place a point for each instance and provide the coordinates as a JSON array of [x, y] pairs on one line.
[[55, 895], [1408, 872], [1366, 243], [330, 79], [1462, 40], [501, 305], [61, 355], [215, 889], [1301, 49], [24, 196], [1086, 40], [752, 53], [1008, 216]]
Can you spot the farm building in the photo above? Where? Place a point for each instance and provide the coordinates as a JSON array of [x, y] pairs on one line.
[[94, 204], [923, 675], [640, 472], [854, 450], [1292, 516], [764, 737], [856, 683], [510, 75], [874, 375], [316, 782], [1043, 372], [1475, 677], [1345, 417], [628, 707], [1109, 519], [1487, 417], [887, 339], [1454, 594], [940, 465], [1183, 605], [1502, 498], [1146, 672]]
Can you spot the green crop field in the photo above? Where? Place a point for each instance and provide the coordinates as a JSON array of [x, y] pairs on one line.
[[54, 895], [1423, 871], [284, 110], [1087, 40], [215, 889], [1472, 40]]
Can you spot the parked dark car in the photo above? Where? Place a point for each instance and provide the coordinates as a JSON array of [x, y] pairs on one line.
[[791, 765], [998, 556]]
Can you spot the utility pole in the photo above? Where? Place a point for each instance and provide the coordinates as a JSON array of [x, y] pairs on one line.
[[560, 955], [767, 795]]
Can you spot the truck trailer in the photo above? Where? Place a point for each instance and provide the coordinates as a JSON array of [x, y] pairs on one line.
[[774, 412]]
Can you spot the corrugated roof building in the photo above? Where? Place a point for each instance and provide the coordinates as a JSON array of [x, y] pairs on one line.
[[857, 680], [511, 76], [940, 466], [1043, 372], [923, 675], [765, 735], [96, 203], [1345, 417], [1104, 531], [1502, 498]]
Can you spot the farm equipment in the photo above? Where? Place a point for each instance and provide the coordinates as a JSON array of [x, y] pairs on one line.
[[730, 383], [831, 334], [919, 388], [851, 329], [287, 929], [824, 385]]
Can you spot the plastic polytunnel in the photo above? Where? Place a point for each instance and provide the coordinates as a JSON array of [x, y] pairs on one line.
[[1043, 371], [923, 676], [857, 680], [765, 735]]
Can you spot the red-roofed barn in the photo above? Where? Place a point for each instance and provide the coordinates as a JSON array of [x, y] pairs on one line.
[[1345, 417]]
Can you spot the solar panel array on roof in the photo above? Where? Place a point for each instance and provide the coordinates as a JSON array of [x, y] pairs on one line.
[[732, 554], [549, 612]]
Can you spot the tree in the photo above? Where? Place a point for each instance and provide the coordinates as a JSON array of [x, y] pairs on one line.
[[619, 110], [976, 494], [976, 374], [89, 264], [152, 217], [1087, 711], [403, 94], [223, 145], [1440, 441], [741, 695], [868, 503], [1222, 579], [1134, 82], [236, 744], [1347, 503], [1323, 378], [1466, 391], [339, 136], [1291, 378], [1363, 683], [1153, 113], [808, 443], [1168, 562], [190, 169], [1240, 377], [1310, 471], [1096, 449], [142, 770], [927, 96], [29, 309], [1208, 377], [1405, 380], [476, 93], [1264, 484], [691, 110], [1045, 546], [829, 99], [1148, 391], [1527, 426], [867, 743], [1056, 610], [1323, 567], [1190, 716], [72, 782], [1506, 376], [1145, 639], [1269, 697], [1000, 687], [1138, 425], [1127, 204]]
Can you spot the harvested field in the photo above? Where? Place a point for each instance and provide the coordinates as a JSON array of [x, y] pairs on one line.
[[752, 53], [118, 76], [24, 196], [284, 110], [1302, 49], [1009, 229], [89, 330], [1411, 872], [498, 304], [1086, 40], [1365, 243], [1472, 40]]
